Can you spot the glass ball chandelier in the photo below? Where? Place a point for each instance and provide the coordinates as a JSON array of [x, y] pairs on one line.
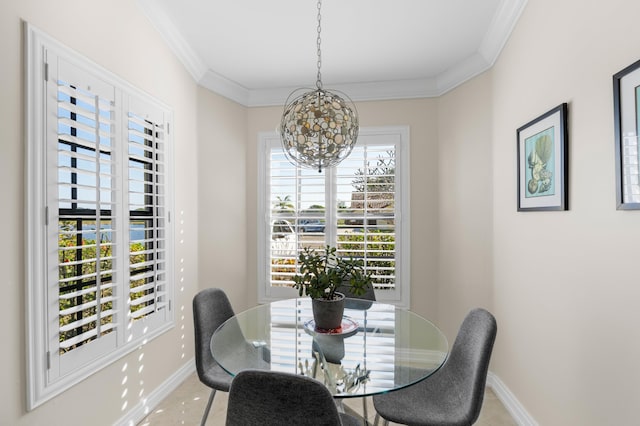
[[318, 127]]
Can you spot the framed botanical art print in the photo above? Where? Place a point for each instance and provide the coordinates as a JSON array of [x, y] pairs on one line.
[[626, 107], [543, 162]]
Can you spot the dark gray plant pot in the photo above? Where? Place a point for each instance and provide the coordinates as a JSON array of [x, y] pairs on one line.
[[328, 313]]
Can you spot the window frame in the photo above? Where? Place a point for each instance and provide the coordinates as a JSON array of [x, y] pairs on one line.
[[401, 135], [42, 226]]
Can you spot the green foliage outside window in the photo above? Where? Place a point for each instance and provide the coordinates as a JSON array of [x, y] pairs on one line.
[[79, 262], [350, 245]]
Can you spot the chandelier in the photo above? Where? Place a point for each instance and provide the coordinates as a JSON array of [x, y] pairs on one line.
[[318, 127]]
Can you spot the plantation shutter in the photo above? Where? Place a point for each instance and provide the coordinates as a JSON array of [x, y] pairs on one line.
[[84, 248], [146, 136], [366, 218], [296, 216], [355, 206]]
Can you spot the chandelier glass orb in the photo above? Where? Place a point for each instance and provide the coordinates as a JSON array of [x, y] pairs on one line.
[[319, 127]]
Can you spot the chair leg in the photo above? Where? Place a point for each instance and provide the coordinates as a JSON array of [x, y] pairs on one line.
[[206, 410], [385, 422], [364, 411]]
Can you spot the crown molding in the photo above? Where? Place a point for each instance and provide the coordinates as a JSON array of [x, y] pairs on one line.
[[461, 72], [189, 58], [225, 87], [372, 91], [503, 23]]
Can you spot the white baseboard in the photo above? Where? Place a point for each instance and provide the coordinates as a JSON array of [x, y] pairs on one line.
[[144, 406], [510, 402]]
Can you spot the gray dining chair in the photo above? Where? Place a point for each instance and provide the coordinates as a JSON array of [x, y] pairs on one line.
[[360, 302], [211, 307], [453, 395], [271, 398]]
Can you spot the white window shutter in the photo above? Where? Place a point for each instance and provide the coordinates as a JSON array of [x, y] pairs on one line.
[[360, 206], [147, 174], [81, 244], [99, 269]]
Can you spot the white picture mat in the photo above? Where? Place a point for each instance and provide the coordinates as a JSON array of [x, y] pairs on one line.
[[628, 85], [542, 125]]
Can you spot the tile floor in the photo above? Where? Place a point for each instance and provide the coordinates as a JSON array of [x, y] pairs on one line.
[[186, 405]]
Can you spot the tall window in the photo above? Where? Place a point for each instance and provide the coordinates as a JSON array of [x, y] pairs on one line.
[[360, 206], [100, 240]]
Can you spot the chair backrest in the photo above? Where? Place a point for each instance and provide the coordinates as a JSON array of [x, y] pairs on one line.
[[465, 371], [366, 299], [270, 398], [211, 307]]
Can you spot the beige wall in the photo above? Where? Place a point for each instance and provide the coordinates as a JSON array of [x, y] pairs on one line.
[[222, 177], [117, 36], [259, 120], [464, 202], [566, 288], [563, 285]]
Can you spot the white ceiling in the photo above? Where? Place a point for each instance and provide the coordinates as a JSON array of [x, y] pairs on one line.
[[256, 52]]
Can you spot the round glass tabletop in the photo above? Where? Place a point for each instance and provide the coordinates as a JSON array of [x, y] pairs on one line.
[[379, 347]]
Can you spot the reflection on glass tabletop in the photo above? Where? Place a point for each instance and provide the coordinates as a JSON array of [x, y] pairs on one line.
[[379, 347]]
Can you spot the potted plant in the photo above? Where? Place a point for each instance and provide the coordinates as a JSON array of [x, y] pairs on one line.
[[321, 273]]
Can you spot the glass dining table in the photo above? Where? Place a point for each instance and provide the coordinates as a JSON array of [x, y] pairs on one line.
[[378, 348]]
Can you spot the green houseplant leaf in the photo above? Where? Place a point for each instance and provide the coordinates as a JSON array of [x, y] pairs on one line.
[[322, 272]]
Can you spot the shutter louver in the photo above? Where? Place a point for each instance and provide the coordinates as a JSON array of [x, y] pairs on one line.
[[297, 215], [147, 256], [85, 202], [367, 219]]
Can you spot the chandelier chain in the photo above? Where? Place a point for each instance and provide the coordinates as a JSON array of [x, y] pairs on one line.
[[318, 42], [319, 127]]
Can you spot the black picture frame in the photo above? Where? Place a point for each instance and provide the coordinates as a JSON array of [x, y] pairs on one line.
[[626, 111], [543, 162]]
